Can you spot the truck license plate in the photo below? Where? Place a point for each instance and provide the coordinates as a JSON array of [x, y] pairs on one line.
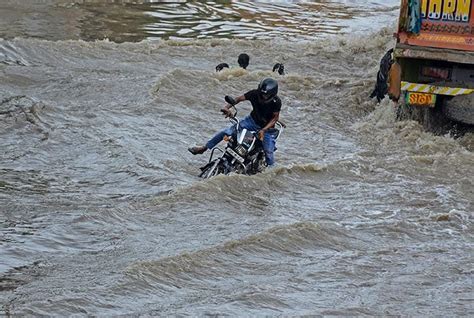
[[421, 99]]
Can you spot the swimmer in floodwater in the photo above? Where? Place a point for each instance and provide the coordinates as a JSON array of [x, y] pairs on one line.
[[243, 61], [280, 68], [221, 66]]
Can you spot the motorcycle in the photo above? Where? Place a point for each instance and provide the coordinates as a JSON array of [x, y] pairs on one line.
[[243, 153]]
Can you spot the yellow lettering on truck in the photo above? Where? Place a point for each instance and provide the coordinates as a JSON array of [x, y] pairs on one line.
[[447, 10], [435, 9], [463, 10]]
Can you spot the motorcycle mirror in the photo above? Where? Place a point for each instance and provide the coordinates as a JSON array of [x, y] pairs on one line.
[[230, 100]]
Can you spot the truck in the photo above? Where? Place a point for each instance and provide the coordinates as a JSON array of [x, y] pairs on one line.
[[434, 53]]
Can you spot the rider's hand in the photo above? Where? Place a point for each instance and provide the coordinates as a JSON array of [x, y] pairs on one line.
[[261, 133], [226, 112]]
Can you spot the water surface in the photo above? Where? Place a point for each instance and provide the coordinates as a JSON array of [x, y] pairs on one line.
[[101, 209], [122, 21]]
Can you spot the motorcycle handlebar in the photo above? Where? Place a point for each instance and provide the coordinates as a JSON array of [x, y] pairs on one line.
[[234, 119], [228, 109]]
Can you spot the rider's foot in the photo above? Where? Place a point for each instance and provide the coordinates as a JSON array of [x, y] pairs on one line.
[[197, 150]]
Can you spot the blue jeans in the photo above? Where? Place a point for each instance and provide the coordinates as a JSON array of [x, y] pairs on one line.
[[269, 138]]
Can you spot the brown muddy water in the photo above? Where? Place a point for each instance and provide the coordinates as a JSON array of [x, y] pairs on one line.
[[101, 209]]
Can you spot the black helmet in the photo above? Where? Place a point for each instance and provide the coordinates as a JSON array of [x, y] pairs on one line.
[[267, 89]]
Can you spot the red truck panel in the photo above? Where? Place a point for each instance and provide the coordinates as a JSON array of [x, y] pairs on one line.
[[445, 24]]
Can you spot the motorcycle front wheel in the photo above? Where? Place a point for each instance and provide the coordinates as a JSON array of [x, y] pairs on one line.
[[213, 169]]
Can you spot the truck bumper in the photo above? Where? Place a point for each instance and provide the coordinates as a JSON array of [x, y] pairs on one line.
[[457, 103], [433, 89]]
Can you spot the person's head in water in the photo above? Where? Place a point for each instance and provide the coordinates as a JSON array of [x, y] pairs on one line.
[[267, 89], [280, 68], [243, 60], [221, 66]]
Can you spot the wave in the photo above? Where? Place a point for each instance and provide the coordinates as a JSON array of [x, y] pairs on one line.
[[20, 111], [235, 188], [12, 55], [242, 256], [403, 135]]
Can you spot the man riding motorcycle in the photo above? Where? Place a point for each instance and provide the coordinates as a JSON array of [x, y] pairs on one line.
[[266, 106]]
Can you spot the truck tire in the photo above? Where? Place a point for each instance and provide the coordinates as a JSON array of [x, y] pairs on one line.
[[461, 109]]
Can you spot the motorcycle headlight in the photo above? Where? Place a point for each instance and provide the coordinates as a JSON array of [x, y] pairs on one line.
[[248, 139], [240, 150]]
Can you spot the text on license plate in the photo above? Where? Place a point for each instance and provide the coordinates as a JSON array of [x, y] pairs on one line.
[[421, 99]]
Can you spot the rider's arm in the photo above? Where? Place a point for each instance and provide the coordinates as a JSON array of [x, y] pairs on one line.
[[226, 109], [240, 99], [270, 124], [237, 100]]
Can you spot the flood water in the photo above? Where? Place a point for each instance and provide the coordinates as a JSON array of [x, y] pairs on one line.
[[101, 209], [127, 20]]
